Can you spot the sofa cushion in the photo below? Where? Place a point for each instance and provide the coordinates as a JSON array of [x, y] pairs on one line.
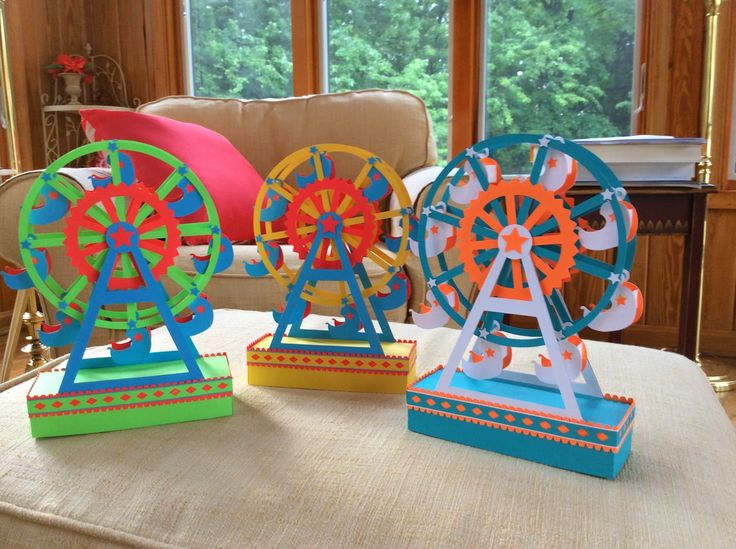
[[231, 181], [394, 125]]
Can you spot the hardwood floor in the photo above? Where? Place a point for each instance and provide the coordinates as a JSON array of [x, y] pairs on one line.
[[720, 365]]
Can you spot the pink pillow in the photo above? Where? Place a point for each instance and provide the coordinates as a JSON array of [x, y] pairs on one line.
[[229, 178]]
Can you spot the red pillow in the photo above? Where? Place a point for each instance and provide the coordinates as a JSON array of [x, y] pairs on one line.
[[229, 178]]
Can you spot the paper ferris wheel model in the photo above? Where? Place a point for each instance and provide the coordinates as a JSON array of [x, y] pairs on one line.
[[519, 240], [334, 225], [121, 239]]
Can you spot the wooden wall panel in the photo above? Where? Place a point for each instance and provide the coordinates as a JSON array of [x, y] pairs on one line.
[[719, 280], [142, 34]]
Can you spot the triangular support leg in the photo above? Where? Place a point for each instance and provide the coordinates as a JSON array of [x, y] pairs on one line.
[[537, 308], [151, 291], [308, 274]]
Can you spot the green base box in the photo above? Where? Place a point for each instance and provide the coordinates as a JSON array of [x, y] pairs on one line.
[[131, 406]]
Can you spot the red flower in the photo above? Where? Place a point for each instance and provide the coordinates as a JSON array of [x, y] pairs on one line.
[[71, 63]]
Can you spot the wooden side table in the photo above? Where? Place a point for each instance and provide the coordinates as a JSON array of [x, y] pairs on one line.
[[670, 208]]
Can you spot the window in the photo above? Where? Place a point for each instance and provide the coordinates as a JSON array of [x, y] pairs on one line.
[[559, 66], [401, 44], [241, 48]]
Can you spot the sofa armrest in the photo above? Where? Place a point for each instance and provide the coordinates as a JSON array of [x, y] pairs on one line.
[[13, 192], [12, 195], [415, 182]]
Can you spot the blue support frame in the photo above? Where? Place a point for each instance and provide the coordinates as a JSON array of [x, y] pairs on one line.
[[151, 291], [308, 275]]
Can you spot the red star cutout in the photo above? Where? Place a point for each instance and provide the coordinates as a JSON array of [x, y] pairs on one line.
[[621, 300], [567, 355], [435, 229], [552, 162], [329, 224], [121, 237], [514, 241], [490, 353]]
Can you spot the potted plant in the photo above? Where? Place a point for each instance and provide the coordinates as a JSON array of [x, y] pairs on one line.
[[73, 70]]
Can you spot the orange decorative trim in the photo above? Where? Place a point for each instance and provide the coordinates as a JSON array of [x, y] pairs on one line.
[[526, 432], [413, 388], [127, 406], [328, 369]]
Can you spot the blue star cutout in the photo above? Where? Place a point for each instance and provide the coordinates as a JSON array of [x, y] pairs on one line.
[[345, 301], [62, 305], [113, 146], [391, 269], [215, 229], [373, 160], [26, 245], [131, 324], [313, 150], [259, 238], [182, 169], [194, 291], [46, 176]]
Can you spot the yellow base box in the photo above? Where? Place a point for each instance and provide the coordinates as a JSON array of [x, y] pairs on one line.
[[389, 372]]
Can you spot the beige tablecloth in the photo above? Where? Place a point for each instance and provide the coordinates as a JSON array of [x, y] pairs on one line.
[[323, 469]]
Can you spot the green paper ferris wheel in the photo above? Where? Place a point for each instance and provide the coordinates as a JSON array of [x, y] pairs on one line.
[[59, 215]]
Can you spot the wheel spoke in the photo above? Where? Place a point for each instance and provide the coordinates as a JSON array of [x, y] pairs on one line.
[[388, 214], [516, 273], [444, 276], [484, 244], [77, 286], [135, 206], [48, 240], [535, 216], [594, 267], [92, 225], [113, 159], [171, 181], [538, 165], [541, 265], [201, 228], [380, 257], [94, 249], [362, 175], [511, 210], [449, 219], [490, 221], [586, 206], [547, 239], [64, 188], [111, 210], [151, 223], [126, 264], [317, 161], [278, 235], [180, 277]]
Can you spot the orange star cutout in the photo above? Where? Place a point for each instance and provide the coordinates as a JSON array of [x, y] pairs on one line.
[[567, 355], [435, 229], [621, 300], [552, 162], [490, 353], [514, 241]]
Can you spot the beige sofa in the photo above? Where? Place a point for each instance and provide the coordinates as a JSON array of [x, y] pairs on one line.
[[394, 125]]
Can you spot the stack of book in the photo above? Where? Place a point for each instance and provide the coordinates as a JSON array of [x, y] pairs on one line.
[[646, 157]]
